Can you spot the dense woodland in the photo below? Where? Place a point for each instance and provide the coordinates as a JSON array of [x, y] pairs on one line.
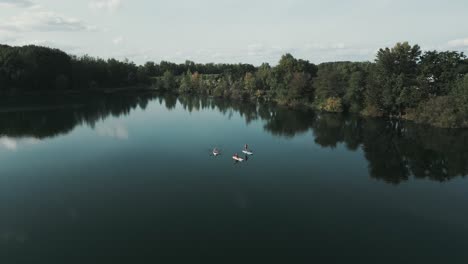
[[428, 87]]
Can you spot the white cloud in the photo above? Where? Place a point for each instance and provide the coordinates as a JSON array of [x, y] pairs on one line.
[[326, 46], [108, 5], [118, 40], [197, 55], [131, 54], [117, 131], [41, 20], [324, 52], [260, 53], [458, 43], [16, 3], [255, 49], [7, 37], [314, 52], [261, 50]]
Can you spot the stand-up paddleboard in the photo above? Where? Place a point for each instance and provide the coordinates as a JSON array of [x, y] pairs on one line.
[[237, 159], [247, 152], [216, 152]]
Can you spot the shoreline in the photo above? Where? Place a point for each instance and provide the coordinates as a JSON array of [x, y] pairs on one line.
[[148, 89], [138, 88]]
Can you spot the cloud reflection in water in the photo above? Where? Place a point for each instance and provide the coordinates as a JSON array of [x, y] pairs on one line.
[[13, 144], [117, 131]]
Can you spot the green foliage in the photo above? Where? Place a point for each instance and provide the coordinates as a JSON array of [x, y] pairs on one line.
[[451, 109], [168, 81], [185, 82], [429, 87], [372, 111], [330, 81], [344, 80], [354, 95], [220, 88], [263, 77], [300, 86], [441, 111], [445, 111], [439, 71], [396, 76], [250, 82], [291, 80], [461, 89], [33, 68], [461, 94]]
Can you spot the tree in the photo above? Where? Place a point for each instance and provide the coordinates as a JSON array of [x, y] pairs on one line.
[[330, 82], [250, 82], [263, 76], [439, 71], [354, 95], [168, 81], [195, 81], [396, 76], [460, 92], [300, 87]]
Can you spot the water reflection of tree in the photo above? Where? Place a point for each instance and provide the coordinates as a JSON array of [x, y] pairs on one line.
[[438, 154], [328, 130], [170, 101], [382, 148], [288, 123], [37, 124], [395, 151], [51, 122]]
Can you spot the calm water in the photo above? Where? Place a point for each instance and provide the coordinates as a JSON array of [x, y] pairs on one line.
[[130, 178]]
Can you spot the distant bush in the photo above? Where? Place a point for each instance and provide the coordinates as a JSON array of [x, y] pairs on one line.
[[372, 111], [332, 104], [441, 111]]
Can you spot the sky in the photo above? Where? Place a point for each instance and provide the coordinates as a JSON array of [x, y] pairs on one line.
[[233, 31]]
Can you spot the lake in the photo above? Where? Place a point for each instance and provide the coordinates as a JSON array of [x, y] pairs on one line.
[[130, 178]]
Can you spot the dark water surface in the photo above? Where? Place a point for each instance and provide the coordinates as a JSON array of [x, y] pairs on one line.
[[130, 179]]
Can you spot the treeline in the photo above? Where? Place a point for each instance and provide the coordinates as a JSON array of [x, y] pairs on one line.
[[33, 68], [428, 87]]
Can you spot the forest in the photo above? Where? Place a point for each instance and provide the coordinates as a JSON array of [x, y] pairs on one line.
[[405, 82]]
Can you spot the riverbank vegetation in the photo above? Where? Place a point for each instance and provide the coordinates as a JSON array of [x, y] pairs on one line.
[[428, 87]]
